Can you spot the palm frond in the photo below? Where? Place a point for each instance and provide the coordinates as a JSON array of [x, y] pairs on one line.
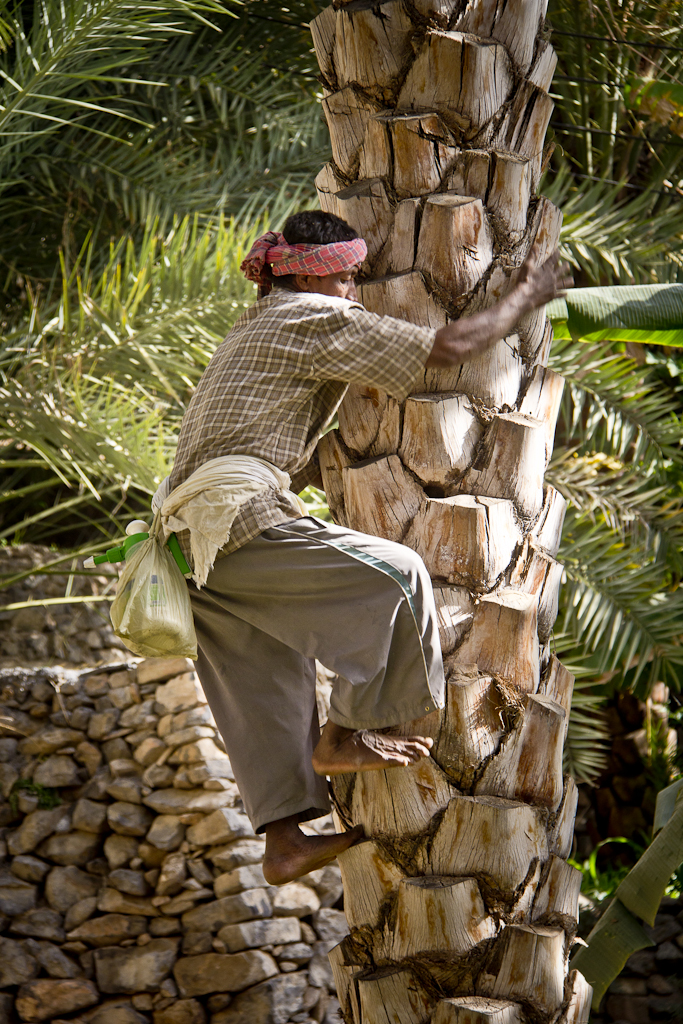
[[187, 119], [616, 171], [614, 234], [93, 394], [588, 737], [612, 405], [618, 602]]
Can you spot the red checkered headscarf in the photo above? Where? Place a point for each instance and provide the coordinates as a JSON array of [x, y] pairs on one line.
[[283, 258]]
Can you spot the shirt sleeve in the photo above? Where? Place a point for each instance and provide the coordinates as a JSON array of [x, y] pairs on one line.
[[359, 347]]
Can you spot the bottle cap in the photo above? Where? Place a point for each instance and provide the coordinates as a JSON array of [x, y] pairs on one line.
[[137, 526]]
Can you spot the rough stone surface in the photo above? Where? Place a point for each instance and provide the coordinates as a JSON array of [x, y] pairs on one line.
[[79, 912], [57, 771], [180, 693], [203, 749], [16, 895], [44, 999], [129, 819], [50, 957], [244, 906], [185, 1011], [149, 751], [157, 670], [222, 972], [295, 900], [122, 1014], [128, 881], [127, 788], [89, 816], [188, 801], [120, 850], [102, 723], [16, 965], [172, 875], [250, 876], [123, 696], [111, 901], [272, 1002], [40, 923], [89, 756], [138, 969], [93, 904], [8, 776], [109, 930], [330, 924], [327, 883], [30, 869], [68, 885], [35, 827], [74, 848], [167, 832], [49, 739], [243, 851], [6, 1004], [249, 934], [222, 826]]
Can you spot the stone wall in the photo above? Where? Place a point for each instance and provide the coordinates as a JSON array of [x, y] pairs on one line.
[[76, 634], [131, 887], [139, 896]]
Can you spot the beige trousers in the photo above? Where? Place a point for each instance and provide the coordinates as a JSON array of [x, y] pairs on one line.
[[307, 590]]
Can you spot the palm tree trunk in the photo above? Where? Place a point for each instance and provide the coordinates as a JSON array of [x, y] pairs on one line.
[[461, 906]]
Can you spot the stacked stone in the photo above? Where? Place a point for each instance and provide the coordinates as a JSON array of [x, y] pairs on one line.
[[131, 882], [78, 633]]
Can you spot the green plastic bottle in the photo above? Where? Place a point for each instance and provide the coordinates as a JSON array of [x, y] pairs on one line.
[[136, 532]]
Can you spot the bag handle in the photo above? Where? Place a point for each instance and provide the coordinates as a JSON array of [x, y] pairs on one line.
[[155, 528]]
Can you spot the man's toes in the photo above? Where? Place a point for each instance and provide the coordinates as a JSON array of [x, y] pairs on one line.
[[417, 749], [421, 741], [397, 757]]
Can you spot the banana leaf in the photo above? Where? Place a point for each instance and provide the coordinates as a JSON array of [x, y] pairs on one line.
[[650, 314], [620, 931]]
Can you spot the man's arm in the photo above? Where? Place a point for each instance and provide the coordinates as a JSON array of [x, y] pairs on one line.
[[462, 340]]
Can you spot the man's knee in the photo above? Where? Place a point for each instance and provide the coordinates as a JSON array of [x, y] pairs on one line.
[[413, 569]]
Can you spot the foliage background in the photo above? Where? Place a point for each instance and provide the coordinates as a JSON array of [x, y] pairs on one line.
[[143, 147]]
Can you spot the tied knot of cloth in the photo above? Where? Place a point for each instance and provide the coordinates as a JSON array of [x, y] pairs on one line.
[[274, 250], [209, 500]]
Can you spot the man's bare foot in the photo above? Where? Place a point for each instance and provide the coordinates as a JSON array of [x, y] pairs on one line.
[[343, 750], [290, 854]]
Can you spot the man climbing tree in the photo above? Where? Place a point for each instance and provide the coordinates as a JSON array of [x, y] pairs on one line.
[[461, 905], [286, 588]]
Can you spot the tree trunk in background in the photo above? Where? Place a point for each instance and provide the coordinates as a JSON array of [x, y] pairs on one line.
[[461, 906]]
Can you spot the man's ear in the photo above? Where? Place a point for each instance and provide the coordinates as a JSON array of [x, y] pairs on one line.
[[302, 282]]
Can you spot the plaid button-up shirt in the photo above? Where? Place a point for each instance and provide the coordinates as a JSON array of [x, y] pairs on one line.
[[276, 382]]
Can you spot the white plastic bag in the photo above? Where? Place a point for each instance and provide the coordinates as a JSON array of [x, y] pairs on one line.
[[151, 612]]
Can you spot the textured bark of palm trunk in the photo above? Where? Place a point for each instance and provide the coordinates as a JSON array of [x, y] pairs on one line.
[[461, 905]]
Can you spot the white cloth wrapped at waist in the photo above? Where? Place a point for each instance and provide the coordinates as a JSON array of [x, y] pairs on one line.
[[207, 503]]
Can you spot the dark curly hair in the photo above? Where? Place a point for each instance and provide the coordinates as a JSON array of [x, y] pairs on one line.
[[310, 227]]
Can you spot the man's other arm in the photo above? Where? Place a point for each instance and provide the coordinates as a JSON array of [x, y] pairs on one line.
[[465, 339]]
